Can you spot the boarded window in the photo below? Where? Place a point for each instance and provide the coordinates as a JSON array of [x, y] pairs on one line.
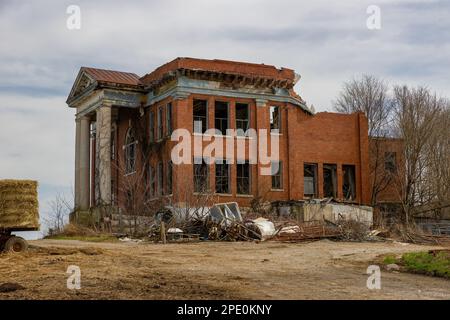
[[222, 177], [221, 116], [243, 177], [200, 116], [310, 180], [277, 174], [390, 163], [330, 180], [242, 118], [349, 183], [201, 175], [275, 119]]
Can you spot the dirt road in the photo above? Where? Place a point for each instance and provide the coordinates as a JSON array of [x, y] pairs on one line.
[[212, 270]]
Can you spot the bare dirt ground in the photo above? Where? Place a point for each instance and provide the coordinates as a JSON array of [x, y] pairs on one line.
[[212, 270]]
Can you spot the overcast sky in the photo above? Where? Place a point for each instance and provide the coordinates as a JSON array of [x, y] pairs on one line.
[[325, 42]]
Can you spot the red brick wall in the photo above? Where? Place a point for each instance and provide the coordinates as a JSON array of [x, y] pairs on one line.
[[323, 138]]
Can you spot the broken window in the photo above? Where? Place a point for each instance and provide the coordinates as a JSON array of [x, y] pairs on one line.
[[200, 116], [242, 118], [201, 175], [169, 119], [130, 152], [221, 116], [222, 177], [277, 174], [330, 180], [349, 184], [310, 180], [275, 119], [390, 163], [160, 123], [169, 177], [243, 177], [159, 174], [152, 126]]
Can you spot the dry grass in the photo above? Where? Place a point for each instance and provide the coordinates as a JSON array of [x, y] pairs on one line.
[[19, 207]]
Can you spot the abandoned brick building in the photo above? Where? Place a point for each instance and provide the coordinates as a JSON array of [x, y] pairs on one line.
[[321, 154]]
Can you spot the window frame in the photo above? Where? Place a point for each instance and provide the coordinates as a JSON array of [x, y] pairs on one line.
[[200, 177], [206, 122], [279, 174], [169, 119], [130, 162], [273, 129], [160, 126], [227, 104], [152, 126], [249, 178], [218, 163], [239, 133]]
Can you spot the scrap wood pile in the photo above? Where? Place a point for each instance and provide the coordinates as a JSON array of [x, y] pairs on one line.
[[19, 207], [414, 235], [307, 231]]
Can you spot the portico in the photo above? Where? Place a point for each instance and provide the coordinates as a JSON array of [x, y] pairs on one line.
[[95, 97]]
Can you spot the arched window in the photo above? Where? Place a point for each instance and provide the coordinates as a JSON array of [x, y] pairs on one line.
[[130, 152]]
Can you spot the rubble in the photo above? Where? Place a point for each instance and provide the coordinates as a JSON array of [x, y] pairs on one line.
[[308, 221]]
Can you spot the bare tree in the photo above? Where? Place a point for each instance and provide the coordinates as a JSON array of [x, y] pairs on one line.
[[421, 119], [369, 95], [60, 208]]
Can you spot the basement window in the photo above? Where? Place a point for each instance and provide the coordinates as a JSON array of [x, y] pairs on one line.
[[310, 180], [330, 180], [275, 119], [277, 175], [242, 118], [200, 115], [221, 116], [349, 184], [390, 163], [222, 177], [243, 177], [130, 152], [201, 175]]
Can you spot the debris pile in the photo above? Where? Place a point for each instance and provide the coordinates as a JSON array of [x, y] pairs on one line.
[[224, 222], [307, 231]]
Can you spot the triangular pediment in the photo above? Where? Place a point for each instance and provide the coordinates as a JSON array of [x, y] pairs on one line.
[[82, 82]]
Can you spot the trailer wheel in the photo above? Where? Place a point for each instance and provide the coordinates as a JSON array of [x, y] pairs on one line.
[[16, 244]]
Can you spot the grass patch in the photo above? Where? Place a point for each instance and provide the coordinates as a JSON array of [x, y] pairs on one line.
[[389, 259], [433, 263]]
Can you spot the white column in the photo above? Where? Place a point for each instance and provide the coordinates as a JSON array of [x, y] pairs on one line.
[[104, 153], [84, 158], [77, 162]]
